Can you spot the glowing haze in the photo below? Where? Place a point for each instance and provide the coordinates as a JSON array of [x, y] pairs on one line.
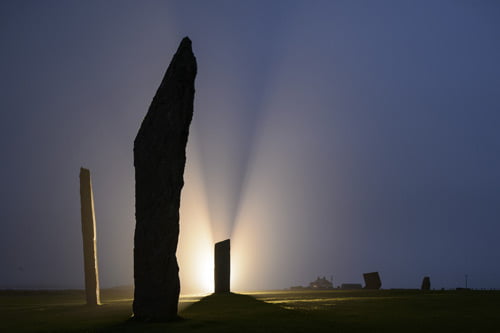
[[329, 138]]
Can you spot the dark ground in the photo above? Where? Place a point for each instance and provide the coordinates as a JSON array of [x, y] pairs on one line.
[[273, 311]]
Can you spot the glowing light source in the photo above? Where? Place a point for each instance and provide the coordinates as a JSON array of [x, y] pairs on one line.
[[195, 249]]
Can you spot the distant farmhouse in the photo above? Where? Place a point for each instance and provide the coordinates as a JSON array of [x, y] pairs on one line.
[[372, 281], [321, 283]]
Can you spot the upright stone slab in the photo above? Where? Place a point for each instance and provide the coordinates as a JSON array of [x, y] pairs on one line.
[[426, 283], [159, 159], [222, 266], [89, 239], [372, 280]]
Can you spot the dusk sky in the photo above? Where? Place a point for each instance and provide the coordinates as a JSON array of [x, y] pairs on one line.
[[329, 138]]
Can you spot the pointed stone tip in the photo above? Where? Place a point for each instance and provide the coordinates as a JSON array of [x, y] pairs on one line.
[[186, 42]]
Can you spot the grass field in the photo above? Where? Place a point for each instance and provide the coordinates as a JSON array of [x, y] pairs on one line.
[[273, 311]]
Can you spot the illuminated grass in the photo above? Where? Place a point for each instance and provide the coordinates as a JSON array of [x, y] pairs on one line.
[[280, 311]]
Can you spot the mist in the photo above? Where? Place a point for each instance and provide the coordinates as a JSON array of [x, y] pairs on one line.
[[328, 138]]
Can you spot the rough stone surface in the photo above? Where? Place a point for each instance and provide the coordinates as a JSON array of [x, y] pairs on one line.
[[372, 280], [222, 266], [426, 283], [89, 239], [159, 159]]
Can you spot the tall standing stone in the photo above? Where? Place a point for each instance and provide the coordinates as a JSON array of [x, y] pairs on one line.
[[222, 266], [159, 159], [89, 239]]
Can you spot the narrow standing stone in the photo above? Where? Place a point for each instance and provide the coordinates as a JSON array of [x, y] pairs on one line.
[[426, 283], [159, 160], [222, 269], [89, 239]]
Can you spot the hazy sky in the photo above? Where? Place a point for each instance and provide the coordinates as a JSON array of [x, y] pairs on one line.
[[329, 138]]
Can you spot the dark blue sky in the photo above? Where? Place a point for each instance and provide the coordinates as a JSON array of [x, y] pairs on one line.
[[329, 137]]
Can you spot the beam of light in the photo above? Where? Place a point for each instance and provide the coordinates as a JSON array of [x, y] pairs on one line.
[[227, 120], [195, 249], [271, 233], [250, 162], [227, 136]]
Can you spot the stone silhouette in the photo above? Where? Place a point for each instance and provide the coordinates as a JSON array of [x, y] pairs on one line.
[[372, 280], [426, 283], [222, 268], [159, 160], [89, 239]]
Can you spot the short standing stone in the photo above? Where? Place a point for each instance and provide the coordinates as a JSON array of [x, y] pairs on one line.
[[426, 283], [372, 280], [159, 159], [222, 266]]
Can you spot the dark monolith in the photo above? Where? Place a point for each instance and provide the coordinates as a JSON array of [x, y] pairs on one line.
[[222, 266], [372, 280], [89, 239], [159, 159], [426, 283]]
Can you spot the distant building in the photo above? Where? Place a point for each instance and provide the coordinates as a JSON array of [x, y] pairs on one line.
[[351, 286], [321, 283]]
